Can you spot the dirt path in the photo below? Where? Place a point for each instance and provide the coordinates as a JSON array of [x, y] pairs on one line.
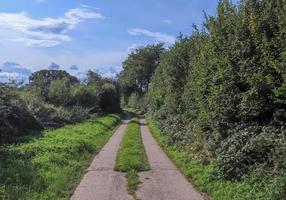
[[101, 182], [164, 181]]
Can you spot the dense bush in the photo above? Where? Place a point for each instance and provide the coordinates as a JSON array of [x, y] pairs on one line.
[[221, 91], [250, 147], [229, 76], [59, 92], [53, 98], [15, 122], [40, 81], [85, 95], [109, 98]]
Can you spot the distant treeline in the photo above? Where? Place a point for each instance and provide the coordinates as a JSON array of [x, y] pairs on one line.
[[221, 92], [53, 98]]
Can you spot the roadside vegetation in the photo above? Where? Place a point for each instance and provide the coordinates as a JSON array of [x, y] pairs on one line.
[[219, 95], [49, 167], [51, 99], [131, 156], [205, 176]]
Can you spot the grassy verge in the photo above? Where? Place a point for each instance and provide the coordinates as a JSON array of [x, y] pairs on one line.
[[50, 167], [205, 176], [131, 157]]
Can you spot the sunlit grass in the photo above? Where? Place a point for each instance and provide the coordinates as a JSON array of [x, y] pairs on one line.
[[50, 167]]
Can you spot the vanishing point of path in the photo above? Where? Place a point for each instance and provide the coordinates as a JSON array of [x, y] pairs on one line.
[[162, 182]]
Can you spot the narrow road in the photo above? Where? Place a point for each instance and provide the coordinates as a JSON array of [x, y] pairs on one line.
[[101, 182], [164, 181]]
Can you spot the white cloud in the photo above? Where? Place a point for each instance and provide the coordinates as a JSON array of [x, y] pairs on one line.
[[39, 43], [46, 32], [79, 14], [36, 59], [166, 21], [161, 37], [90, 7]]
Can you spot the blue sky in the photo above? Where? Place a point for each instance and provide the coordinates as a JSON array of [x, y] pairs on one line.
[[91, 34]]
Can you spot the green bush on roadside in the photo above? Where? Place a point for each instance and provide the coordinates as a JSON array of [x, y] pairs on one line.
[[256, 185]]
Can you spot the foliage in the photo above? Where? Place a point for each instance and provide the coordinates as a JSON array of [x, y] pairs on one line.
[[97, 79], [249, 148], [53, 98], [108, 98], [257, 185], [48, 167], [40, 81], [220, 93], [50, 115], [15, 122], [218, 88], [85, 95], [6, 94], [138, 69], [59, 92]]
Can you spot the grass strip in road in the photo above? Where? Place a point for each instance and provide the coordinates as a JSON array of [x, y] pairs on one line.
[[132, 182], [131, 156], [49, 167]]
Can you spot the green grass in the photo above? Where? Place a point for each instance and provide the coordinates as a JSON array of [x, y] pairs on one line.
[[132, 181], [131, 156], [255, 186], [51, 166]]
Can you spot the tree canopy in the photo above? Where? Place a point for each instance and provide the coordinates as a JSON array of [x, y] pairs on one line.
[[138, 69]]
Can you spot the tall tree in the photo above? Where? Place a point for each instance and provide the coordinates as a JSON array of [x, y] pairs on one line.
[[40, 81], [138, 69]]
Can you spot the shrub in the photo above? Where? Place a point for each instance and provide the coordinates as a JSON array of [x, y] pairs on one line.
[[85, 95], [49, 115], [40, 81], [59, 92], [15, 123], [250, 147], [109, 99], [225, 86]]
